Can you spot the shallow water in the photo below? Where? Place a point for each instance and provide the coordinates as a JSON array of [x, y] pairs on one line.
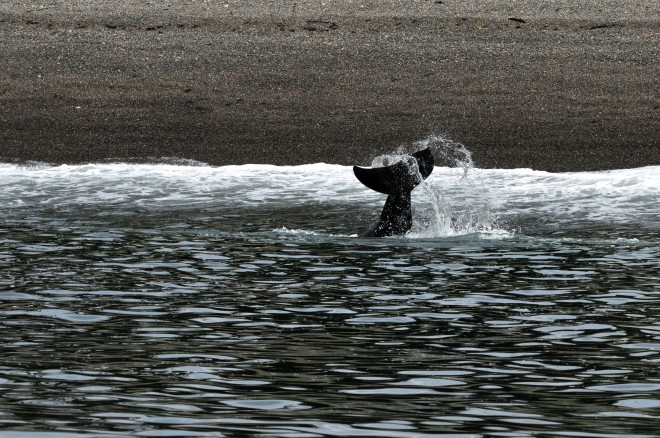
[[177, 300]]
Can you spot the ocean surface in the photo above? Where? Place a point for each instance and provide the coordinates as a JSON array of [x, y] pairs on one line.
[[177, 299]]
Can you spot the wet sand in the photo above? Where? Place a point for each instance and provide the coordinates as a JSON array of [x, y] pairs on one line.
[[564, 89]]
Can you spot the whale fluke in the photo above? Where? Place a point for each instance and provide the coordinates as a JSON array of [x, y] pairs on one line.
[[395, 181]]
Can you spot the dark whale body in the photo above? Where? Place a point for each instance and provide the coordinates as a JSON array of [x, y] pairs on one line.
[[396, 181]]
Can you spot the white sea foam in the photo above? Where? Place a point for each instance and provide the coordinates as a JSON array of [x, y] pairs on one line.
[[451, 201], [294, 232], [617, 195], [139, 184]]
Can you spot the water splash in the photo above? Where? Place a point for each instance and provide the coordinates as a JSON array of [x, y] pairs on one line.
[[452, 153], [397, 157], [456, 203]]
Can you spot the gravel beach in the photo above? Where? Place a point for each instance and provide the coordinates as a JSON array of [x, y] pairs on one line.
[[545, 85]]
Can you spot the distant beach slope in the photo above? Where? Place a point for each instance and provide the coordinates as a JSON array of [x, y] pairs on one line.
[[553, 86]]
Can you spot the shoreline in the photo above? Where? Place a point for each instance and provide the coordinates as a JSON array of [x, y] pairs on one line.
[[530, 88]]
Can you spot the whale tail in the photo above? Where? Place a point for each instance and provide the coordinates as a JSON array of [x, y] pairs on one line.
[[396, 181]]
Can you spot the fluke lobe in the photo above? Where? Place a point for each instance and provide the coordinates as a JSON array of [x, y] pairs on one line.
[[396, 181]]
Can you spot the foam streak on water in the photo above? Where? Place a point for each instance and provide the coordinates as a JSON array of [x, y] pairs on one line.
[[619, 196], [181, 300]]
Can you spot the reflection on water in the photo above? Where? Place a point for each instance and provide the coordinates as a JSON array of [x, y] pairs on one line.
[[179, 322]]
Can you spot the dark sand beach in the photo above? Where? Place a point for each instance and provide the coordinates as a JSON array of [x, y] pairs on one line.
[[561, 88]]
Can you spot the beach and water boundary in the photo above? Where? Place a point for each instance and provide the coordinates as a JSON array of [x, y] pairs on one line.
[[561, 88]]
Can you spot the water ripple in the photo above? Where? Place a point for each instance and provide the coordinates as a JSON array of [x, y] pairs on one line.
[[192, 320]]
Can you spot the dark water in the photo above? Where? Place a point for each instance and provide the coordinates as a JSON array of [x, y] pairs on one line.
[[151, 316]]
